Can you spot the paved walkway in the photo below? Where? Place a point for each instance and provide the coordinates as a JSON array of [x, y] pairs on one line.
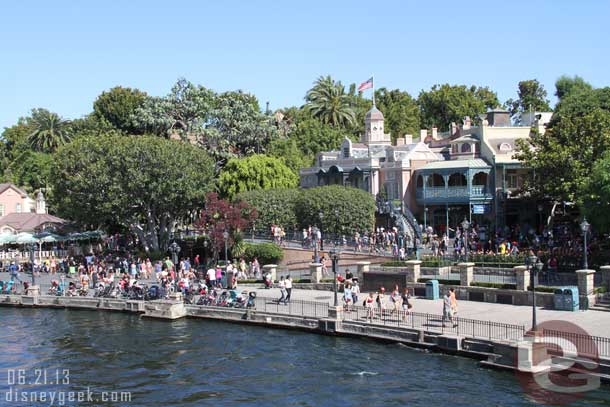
[[596, 323]]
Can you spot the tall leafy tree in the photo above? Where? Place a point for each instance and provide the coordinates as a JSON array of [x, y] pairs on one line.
[[532, 96], [444, 104], [400, 111], [254, 172], [566, 85], [146, 185], [49, 130], [117, 105], [597, 194], [328, 102]]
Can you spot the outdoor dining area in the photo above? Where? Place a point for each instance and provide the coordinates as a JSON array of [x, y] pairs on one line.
[[26, 246]]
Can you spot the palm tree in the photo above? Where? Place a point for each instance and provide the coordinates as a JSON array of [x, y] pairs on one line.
[[328, 102], [49, 131]]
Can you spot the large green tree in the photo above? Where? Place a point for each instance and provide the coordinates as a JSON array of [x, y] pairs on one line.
[[117, 106], [566, 85], [400, 111], [444, 104], [532, 96], [49, 131], [328, 102], [255, 172], [146, 184], [273, 207], [597, 194]]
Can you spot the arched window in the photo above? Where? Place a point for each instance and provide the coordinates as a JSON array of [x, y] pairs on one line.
[[505, 147], [436, 180], [457, 180], [480, 178], [466, 148], [420, 182], [454, 148]]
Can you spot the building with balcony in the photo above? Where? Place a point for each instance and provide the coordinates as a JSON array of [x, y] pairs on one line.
[[373, 163]]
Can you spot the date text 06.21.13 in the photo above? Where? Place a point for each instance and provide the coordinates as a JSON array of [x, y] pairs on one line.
[[34, 377]]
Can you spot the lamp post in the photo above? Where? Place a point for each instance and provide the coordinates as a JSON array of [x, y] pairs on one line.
[[316, 254], [337, 227], [205, 254], [321, 216], [32, 250], [174, 249], [584, 227], [225, 236], [465, 226], [535, 266], [425, 218], [334, 255]]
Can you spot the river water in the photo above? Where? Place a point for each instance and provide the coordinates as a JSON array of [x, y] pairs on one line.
[[198, 363]]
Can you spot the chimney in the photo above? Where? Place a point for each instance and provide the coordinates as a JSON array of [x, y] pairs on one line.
[[434, 133], [467, 123], [400, 142], [409, 139], [454, 128], [423, 134]]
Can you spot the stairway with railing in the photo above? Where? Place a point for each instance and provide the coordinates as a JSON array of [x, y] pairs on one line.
[[403, 219]]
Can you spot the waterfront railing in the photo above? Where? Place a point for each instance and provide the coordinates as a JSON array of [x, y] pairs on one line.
[[437, 323], [583, 344]]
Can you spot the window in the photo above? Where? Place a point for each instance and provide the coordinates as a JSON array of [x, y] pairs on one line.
[[18, 207], [345, 152], [512, 181], [505, 147], [465, 148], [1, 209]]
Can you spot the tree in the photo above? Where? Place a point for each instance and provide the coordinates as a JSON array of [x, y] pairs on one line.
[[566, 85], [254, 172], [328, 102], [345, 210], [220, 216], [49, 131], [274, 207], [532, 96], [597, 194], [287, 150], [117, 106], [446, 104], [400, 110], [237, 128], [312, 136], [184, 112], [562, 157], [146, 185]]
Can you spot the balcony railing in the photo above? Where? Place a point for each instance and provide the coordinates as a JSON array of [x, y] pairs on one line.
[[475, 191]]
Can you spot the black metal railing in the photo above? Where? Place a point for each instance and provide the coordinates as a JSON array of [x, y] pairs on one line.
[[294, 307], [585, 345], [436, 323]]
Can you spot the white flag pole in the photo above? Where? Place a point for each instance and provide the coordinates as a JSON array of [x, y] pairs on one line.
[[373, 78]]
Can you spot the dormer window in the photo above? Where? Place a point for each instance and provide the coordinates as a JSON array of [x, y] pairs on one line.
[[345, 152], [466, 148], [505, 147]]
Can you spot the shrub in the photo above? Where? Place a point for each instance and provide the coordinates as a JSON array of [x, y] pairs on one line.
[[345, 209], [273, 206], [543, 289], [443, 282], [153, 255], [267, 253]]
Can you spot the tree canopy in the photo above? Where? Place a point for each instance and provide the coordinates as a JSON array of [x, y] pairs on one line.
[[328, 102], [532, 96], [446, 104], [255, 172], [48, 131], [400, 111], [117, 106], [146, 184]]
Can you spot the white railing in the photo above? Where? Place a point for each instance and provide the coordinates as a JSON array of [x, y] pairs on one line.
[[25, 255]]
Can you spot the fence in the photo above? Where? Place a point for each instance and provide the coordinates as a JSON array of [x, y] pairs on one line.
[[294, 307], [586, 345], [436, 323]]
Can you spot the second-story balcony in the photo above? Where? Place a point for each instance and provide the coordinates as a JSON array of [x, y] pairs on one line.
[[453, 194]]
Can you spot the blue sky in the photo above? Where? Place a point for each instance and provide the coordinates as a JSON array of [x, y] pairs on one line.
[[61, 54]]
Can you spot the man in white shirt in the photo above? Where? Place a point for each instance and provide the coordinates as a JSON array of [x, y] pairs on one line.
[[288, 284], [211, 273]]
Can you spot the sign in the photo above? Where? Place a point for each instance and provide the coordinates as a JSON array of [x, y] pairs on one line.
[[480, 209]]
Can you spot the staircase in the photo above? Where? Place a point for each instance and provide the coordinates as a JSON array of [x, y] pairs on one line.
[[602, 304], [403, 220]]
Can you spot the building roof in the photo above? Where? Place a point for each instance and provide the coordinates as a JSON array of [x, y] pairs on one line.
[[449, 164], [374, 114], [468, 138], [6, 185], [27, 221]]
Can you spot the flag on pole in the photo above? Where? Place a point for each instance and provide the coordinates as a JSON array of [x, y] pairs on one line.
[[366, 85]]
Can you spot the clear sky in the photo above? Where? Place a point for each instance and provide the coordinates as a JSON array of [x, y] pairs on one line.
[[61, 54]]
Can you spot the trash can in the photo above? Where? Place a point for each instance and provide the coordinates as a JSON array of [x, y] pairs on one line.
[[570, 295], [559, 299], [432, 292]]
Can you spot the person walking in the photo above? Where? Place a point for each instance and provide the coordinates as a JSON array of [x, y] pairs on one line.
[[355, 291], [447, 312], [406, 303], [347, 296], [282, 286], [381, 301], [369, 304], [454, 304], [288, 284]]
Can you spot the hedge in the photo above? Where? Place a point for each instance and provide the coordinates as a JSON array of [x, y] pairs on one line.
[[443, 282], [273, 206], [267, 253], [495, 285]]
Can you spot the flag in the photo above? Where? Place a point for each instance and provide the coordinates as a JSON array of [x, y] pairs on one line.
[[366, 85]]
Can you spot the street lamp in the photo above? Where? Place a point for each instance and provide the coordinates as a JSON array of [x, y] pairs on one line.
[[321, 216], [535, 266], [425, 218], [584, 227], [316, 255], [225, 236], [32, 250], [334, 255], [465, 226], [174, 249], [337, 226]]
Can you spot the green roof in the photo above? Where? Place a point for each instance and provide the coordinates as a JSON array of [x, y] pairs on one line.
[[450, 164]]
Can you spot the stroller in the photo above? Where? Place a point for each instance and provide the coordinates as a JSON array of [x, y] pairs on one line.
[[251, 298], [241, 300], [56, 288], [153, 293], [268, 281], [7, 287]]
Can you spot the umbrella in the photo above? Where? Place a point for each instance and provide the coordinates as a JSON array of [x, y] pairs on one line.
[[7, 238], [47, 237], [25, 238]]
